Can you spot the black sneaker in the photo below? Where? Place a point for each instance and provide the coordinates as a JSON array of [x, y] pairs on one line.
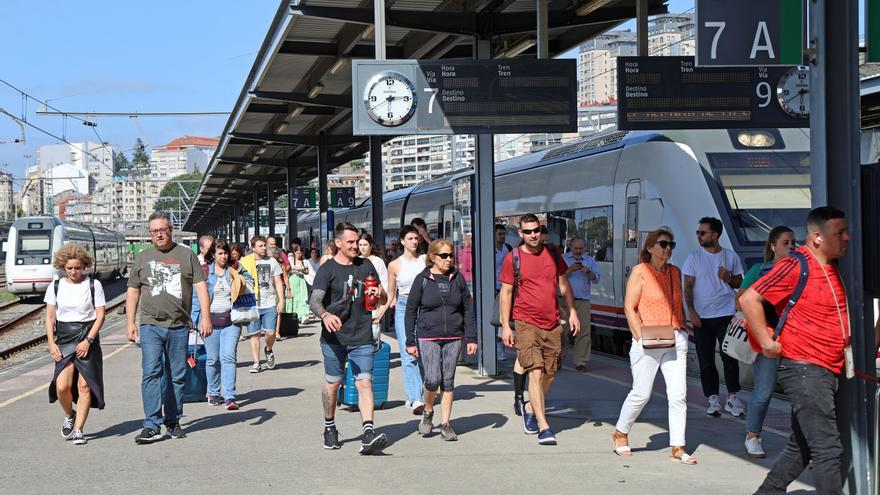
[[175, 430], [67, 426], [519, 404], [148, 435], [331, 439], [372, 443]]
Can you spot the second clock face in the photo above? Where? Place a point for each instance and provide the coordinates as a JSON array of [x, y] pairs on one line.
[[390, 98], [793, 92]]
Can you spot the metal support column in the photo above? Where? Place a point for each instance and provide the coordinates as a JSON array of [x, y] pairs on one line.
[[244, 224], [291, 211], [323, 199], [236, 222], [484, 243], [377, 185], [542, 31], [270, 201], [642, 26], [835, 162], [257, 210]]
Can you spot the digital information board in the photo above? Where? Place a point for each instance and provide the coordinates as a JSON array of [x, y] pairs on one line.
[[673, 93], [395, 97]]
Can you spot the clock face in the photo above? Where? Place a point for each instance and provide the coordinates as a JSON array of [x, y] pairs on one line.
[[390, 98], [793, 92]]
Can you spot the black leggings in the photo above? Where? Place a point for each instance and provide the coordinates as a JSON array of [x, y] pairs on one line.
[[439, 358], [705, 338]]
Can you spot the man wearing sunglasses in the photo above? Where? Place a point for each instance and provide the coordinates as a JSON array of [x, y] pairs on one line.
[[535, 315], [711, 273]]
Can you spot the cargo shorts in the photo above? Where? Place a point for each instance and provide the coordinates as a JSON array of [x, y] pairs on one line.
[[537, 348]]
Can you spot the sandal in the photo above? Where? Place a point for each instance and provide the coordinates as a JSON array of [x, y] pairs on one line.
[[682, 457], [621, 450]]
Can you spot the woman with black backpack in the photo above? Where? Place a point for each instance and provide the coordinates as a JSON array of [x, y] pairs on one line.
[[74, 316], [439, 316]]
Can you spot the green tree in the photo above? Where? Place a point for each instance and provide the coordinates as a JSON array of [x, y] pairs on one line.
[[140, 160], [120, 164], [171, 197]]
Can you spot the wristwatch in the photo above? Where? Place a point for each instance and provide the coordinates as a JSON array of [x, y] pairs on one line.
[[90, 340]]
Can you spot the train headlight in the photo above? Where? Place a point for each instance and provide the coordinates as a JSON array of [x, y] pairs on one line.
[[756, 139], [45, 261], [19, 261]]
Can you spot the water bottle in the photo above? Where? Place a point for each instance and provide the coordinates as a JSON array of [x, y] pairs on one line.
[[371, 302]]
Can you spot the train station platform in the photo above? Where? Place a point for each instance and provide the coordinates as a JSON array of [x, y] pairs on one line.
[[274, 443]]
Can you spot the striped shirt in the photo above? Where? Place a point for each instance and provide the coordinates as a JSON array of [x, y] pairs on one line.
[[222, 300]]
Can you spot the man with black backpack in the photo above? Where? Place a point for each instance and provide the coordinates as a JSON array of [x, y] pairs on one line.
[[813, 347], [530, 276], [347, 333]]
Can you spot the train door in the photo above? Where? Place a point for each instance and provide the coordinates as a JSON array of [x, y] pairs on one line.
[[631, 229], [462, 224]]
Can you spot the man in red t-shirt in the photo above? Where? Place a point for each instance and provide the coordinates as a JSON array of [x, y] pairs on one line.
[[810, 349], [536, 318]]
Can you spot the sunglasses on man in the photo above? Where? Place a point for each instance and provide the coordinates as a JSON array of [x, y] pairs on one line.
[[530, 231]]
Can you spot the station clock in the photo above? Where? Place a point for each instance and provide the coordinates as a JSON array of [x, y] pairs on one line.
[[390, 98], [793, 92]]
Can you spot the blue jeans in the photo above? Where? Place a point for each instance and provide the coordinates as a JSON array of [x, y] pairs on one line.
[[412, 375], [765, 378], [815, 437], [162, 384], [221, 347], [266, 323], [359, 357]]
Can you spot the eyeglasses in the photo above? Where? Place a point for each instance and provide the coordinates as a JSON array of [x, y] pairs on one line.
[[701, 233], [666, 244], [164, 230], [444, 256], [530, 231]]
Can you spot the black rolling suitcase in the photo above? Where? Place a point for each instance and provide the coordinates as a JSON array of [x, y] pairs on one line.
[[289, 326]]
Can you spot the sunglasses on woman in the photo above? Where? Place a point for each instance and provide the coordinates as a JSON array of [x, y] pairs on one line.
[[444, 256], [666, 244]]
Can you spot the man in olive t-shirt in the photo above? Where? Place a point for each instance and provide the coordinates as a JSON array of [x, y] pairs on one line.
[[161, 282]]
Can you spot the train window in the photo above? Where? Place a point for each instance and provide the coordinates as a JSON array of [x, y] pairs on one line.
[[592, 224], [632, 222], [34, 243]]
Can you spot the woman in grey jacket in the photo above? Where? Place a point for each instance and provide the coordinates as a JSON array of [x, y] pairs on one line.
[[439, 316]]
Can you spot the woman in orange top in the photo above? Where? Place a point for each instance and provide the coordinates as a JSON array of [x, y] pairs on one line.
[[653, 298]]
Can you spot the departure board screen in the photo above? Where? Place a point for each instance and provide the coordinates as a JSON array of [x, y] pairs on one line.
[[464, 96], [673, 93]]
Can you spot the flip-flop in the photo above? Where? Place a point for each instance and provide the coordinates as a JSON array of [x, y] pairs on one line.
[[685, 459], [623, 450]]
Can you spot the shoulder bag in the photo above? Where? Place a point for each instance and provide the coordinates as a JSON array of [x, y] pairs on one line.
[[661, 336]]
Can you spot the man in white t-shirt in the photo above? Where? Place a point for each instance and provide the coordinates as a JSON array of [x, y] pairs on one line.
[[269, 291], [711, 275]]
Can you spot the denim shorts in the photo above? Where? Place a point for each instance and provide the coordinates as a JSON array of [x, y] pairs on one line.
[[359, 357], [266, 323]]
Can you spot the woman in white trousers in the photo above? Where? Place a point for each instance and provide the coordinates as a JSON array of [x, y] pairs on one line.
[[653, 299]]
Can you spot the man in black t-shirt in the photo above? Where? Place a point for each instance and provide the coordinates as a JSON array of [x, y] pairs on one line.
[[347, 332]]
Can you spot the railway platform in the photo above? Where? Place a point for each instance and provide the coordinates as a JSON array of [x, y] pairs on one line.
[[274, 441]]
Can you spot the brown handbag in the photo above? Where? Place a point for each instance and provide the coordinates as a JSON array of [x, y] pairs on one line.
[[660, 336]]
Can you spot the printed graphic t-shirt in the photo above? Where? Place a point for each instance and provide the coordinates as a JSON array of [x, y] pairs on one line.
[[165, 279], [267, 270], [337, 280], [536, 302]]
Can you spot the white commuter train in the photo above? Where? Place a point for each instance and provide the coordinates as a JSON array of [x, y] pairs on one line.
[[33, 241], [614, 189]]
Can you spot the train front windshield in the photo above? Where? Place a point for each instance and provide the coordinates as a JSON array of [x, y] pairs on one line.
[[762, 190], [34, 243]]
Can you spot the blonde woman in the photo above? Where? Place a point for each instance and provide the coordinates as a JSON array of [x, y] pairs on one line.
[[74, 316]]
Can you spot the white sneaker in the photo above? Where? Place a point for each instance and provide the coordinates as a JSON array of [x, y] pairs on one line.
[[714, 408], [754, 448], [734, 406], [78, 438], [255, 368]]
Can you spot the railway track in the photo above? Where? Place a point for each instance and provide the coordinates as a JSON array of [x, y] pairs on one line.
[[27, 317]]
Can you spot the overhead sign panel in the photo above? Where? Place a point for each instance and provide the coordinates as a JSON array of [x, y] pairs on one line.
[[749, 32], [303, 198], [342, 197], [673, 93], [392, 97]]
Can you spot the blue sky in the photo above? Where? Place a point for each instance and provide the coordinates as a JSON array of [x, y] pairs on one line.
[[122, 56]]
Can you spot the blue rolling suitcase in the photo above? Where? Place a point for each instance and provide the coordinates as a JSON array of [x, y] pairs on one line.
[[348, 394]]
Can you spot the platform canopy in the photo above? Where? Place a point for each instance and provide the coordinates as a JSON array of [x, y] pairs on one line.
[[297, 96]]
